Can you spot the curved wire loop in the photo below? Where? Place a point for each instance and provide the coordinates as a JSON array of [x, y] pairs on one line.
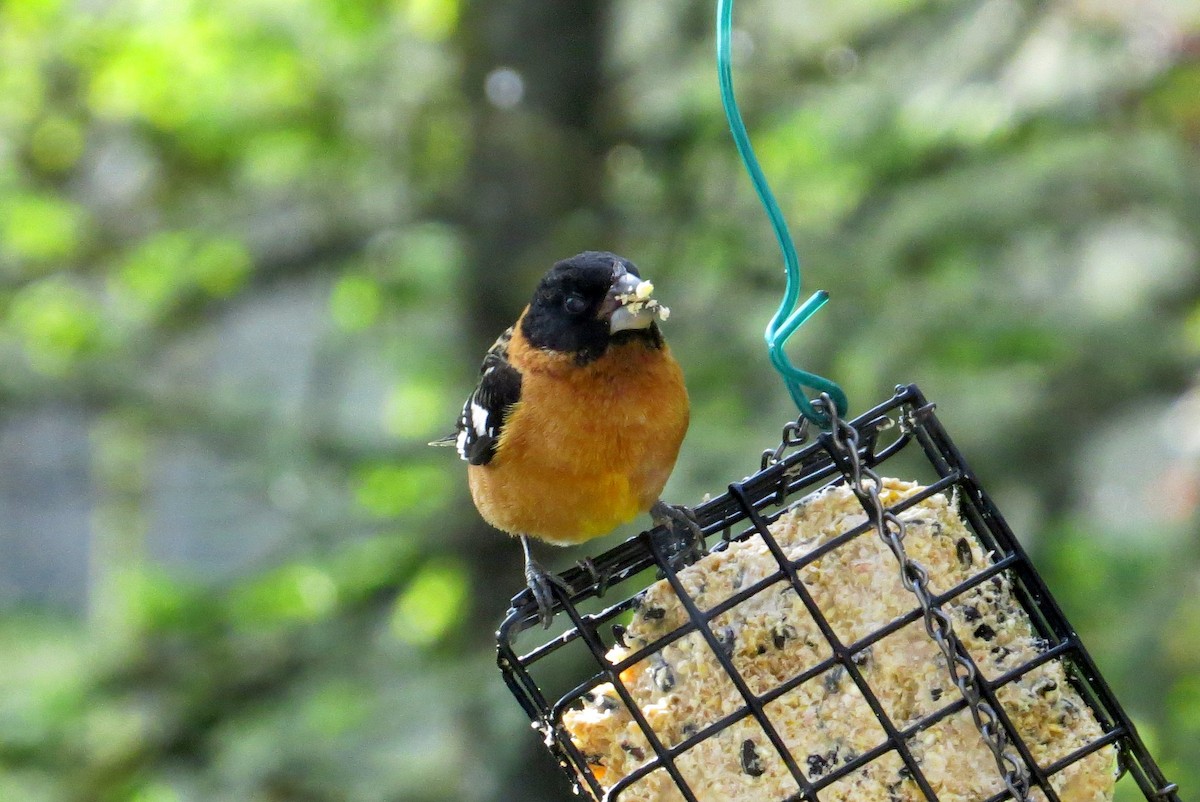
[[789, 316]]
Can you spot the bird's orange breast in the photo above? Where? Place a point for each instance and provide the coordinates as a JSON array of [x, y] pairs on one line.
[[588, 447]]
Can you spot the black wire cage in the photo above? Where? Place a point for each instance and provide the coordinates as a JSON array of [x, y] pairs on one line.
[[551, 674]]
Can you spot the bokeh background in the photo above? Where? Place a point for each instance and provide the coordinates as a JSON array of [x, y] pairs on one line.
[[251, 252]]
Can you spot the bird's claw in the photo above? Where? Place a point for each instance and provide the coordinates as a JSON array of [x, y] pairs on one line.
[[541, 584], [684, 543], [600, 578]]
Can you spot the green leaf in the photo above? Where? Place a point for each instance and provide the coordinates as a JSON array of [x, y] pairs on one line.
[[154, 600], [165, 267], [388, 490], [355, 302], [220, 266], [40, 228], [433, 604], [56, 143], [297, 592], [433, 20], [56, 322], [417, 408]]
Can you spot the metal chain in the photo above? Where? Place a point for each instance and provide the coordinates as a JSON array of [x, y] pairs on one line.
[[795, 433], [866, 485]]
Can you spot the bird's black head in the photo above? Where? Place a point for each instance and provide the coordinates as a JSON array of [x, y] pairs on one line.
[[588, 301]]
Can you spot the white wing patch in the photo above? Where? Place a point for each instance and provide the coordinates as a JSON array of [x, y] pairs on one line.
[[482, 416], [479, 427], [479, 419]]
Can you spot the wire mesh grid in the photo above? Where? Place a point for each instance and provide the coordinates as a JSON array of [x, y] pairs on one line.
[[562, 670]]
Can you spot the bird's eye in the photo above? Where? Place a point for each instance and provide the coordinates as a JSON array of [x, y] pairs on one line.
[[575, 304]]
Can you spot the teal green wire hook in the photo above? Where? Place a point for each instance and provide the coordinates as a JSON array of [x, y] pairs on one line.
[[789, 317]]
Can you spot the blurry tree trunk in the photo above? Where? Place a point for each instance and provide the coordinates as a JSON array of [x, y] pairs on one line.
[[533, 176]]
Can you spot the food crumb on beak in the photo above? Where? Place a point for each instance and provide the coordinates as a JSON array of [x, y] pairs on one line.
[[638, 301]]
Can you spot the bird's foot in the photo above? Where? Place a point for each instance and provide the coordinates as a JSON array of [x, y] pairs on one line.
[[683, 543], [542, 584], [600, 579]]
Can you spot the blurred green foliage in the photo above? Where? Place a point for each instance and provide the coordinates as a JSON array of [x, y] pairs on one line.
[[251, 252]]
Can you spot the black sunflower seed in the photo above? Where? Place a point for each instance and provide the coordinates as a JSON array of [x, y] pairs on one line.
[[664, 680], [781, 633], [725, 637], [817, 765], [963, 549], [1046, 688], [833, 678], [751, 763]]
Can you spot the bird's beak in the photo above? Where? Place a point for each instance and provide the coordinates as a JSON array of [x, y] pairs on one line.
[[629, 304]]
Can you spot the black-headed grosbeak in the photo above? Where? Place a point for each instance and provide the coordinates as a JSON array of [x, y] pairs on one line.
[[579, 413]]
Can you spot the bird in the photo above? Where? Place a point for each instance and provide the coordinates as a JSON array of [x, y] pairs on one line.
[[578, 415]]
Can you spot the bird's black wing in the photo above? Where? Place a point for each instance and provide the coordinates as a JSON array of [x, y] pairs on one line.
[[482, 417]]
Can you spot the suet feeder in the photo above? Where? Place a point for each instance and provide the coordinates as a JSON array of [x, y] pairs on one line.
[[1056, 728]]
